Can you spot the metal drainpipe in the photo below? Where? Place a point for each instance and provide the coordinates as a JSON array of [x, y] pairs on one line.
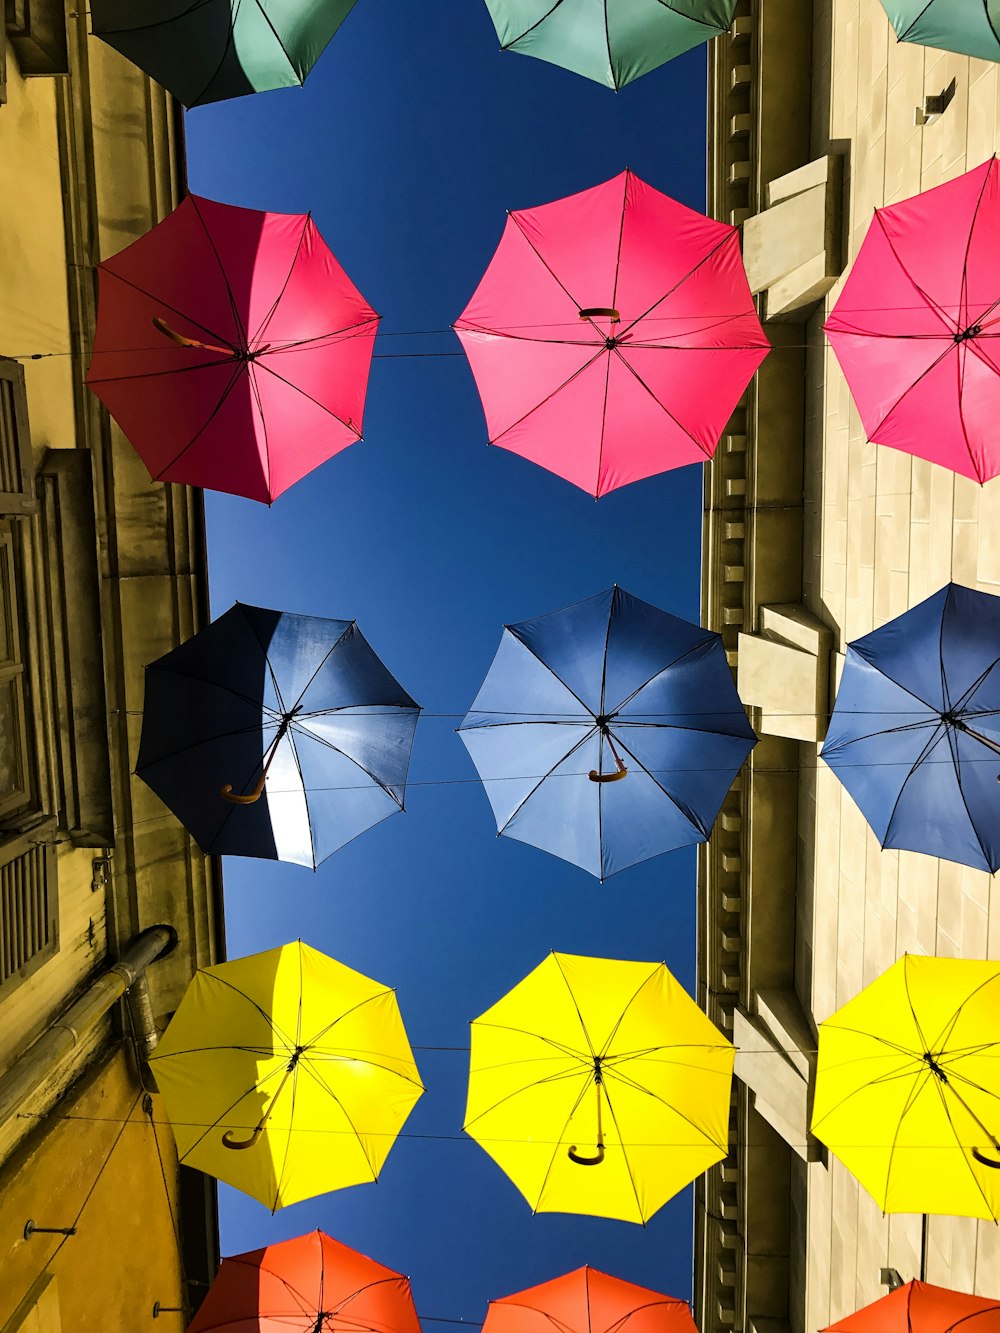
[[43, 1057]]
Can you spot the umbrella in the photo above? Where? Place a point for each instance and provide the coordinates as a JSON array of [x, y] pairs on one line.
[[915, 733], [607, 732], [275, 735], [908, 1087], [918, 1307], [611, 43], [612, 335], [232, 349], [599, 1087], [588, 1301], [969, 27], [286, 1074], [209, 50], [312, 1284], [917, 324]]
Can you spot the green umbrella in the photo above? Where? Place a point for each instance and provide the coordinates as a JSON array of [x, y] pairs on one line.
[[970, 27], [610, 41], [210, 50]]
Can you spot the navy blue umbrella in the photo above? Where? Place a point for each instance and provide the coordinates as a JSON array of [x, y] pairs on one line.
[[915, 734], [608, 732], [276, 735]]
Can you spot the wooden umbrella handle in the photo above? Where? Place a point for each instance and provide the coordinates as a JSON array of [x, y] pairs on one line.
[[163, 327], [601, 312]]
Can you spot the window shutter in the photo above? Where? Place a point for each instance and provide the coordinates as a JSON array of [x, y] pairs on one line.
[[17, 479], [29, 916]]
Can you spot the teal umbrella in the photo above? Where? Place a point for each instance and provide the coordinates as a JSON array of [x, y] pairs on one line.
[[610, 41], [970, 27], [210, 50]]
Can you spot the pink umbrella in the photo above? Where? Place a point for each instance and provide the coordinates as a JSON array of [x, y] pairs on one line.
[[916, 327], [612, 335], [232, 349]]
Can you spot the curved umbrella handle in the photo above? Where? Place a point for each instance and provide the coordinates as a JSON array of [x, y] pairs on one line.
[[607, 777], [581, 1160], [250, 798], [986, 1161], [601, 312], [238, 1144], [163, 327]]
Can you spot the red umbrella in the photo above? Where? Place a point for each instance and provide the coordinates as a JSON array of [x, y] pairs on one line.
[[612, 335], [920, 1308], [587, 1301], [232, 348], [917, 327], [311, 1284]]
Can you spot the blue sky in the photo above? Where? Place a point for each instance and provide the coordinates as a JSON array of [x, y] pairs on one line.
[[408, 143]]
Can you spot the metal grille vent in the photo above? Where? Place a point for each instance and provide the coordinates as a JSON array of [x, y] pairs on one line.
[[28, 917]]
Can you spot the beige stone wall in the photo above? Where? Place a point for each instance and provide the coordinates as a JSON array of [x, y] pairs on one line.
[[883, 531]]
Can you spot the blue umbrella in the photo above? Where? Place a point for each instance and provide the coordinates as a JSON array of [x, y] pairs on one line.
[[276, 735], [608, 732], [915, 734]]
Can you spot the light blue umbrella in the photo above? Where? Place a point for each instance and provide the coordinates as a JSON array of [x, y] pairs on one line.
[[969, 27], [915, 734], [608, 732]]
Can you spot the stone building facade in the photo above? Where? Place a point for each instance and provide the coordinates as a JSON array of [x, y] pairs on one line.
[[101, 571], [813, 537]]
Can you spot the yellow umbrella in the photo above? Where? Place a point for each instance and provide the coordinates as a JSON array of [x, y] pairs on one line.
[[286, 1074], [908, 1087], [599, 1087]]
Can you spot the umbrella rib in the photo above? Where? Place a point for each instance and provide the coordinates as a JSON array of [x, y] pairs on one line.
[[601, 351], [216, 337], [694, 648], [702, 23], [577, 305], [961, 361], [207, 1129], [963, 308], [961, 1147], [572, 750], [277, 38], [334, 336], [262, 364], [238, 372], [628, 1164], [230, 37], [560, 1140], [615, 598], [205, 740], [518, 1092], [298, 246], [237, 317], [366, 1059], [914, 1092], [333, 1096], [604, 424], [537, 24], [934, 722], [617, 87], [957, 762], [157, 374], [621, 1017], [954, 1018], [527, 646], [305, 796], [368, 999], [321, 740], [730, 237], [291, 1120], [353, 624], [565, 1049], [936, 736], [891, 1077], [692, 819], [931, 304], [569, 990], [905, 34], [268, 1018], [255, 391], [679, 424], [629, 1082]]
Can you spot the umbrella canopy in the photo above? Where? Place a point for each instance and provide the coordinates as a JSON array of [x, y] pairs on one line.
[[611, 43], [232, 349], [275, 735], [599, 1087], [908, 1087], [915, 733], [210, 50], [917, 326], [917, 1307], [969, 27], [608, 732], [286, 1074], [588, 1301], [311, 1284], [612, 335]]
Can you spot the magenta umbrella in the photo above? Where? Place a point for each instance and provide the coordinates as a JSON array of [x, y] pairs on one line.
[[232, 349], [917, 327], [612, 335]]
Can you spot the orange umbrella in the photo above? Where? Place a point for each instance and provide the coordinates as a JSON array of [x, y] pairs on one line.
[[918, 1307], [587, 1301], [311, 1284]]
